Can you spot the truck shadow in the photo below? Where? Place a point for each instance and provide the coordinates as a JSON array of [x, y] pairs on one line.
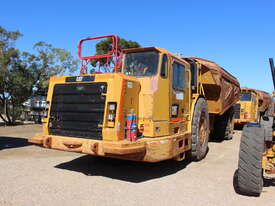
[[12, 142], [2, 124], [122, 169]]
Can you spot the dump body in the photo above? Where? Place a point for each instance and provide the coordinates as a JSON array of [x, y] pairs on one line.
[[264, 100], [252, 104], [144, 112], [221, 89]]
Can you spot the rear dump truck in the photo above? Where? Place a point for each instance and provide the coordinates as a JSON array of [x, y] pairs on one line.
[[151, 106], [252, 105]]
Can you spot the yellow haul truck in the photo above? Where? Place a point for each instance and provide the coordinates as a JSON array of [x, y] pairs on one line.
[[151, 106], [251, 106], [257, 153]]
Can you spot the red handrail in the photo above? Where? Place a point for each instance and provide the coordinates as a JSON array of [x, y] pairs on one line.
[[113, 53]]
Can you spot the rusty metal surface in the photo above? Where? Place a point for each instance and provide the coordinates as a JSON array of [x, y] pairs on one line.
[[228, 86], [216, 69], [266, 100]]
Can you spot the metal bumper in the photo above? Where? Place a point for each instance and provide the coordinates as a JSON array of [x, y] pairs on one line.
[[145, 149]]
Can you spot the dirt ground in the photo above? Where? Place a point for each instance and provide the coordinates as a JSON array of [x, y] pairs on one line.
[[32, 175]]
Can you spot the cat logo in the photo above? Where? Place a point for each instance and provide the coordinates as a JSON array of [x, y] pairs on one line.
[[79, 79]]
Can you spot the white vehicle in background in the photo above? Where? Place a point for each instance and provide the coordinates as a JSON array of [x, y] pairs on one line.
[[34, 109]]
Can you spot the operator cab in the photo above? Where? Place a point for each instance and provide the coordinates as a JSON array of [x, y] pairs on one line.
[[141, 64], [246, 97]]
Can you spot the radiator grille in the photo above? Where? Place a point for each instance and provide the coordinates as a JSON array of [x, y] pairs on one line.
[[237, 111], [77, 110]]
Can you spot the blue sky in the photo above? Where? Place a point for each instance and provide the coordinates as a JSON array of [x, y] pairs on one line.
[[237, 34]]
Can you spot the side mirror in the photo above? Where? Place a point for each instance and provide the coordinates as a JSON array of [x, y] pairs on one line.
[[265, 118]]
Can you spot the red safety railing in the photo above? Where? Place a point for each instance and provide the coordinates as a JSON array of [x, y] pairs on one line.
[[112, 57]]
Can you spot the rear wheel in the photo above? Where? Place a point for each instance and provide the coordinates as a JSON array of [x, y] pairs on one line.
[[200, 130], [250, 173], [230, 125], [224, 126]]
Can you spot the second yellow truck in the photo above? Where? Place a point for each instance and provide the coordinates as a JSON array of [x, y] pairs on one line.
[[251, 106]]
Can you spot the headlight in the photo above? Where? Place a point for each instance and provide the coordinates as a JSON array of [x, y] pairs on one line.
[[112, 106], [111, 117]]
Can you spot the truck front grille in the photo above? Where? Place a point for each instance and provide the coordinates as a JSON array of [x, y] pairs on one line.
[[237, 111], [77, 110]]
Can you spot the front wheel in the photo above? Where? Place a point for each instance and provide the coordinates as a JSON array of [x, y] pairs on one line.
[[200, 130], [250, 173], [224, 126]]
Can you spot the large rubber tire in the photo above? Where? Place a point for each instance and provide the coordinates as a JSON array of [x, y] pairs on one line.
[[200, 130], [250, 173]]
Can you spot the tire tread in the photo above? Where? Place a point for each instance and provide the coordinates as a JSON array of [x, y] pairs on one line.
[[250, 180]]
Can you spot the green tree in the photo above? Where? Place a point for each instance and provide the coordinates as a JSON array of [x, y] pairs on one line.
[[9, 59], [105, 45], [48, 61], [24, 74]]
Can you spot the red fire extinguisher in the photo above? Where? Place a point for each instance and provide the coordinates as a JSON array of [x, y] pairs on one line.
[[131, 127], [134, 128]]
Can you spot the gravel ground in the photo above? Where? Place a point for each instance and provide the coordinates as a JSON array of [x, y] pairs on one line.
[[32, 175]]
